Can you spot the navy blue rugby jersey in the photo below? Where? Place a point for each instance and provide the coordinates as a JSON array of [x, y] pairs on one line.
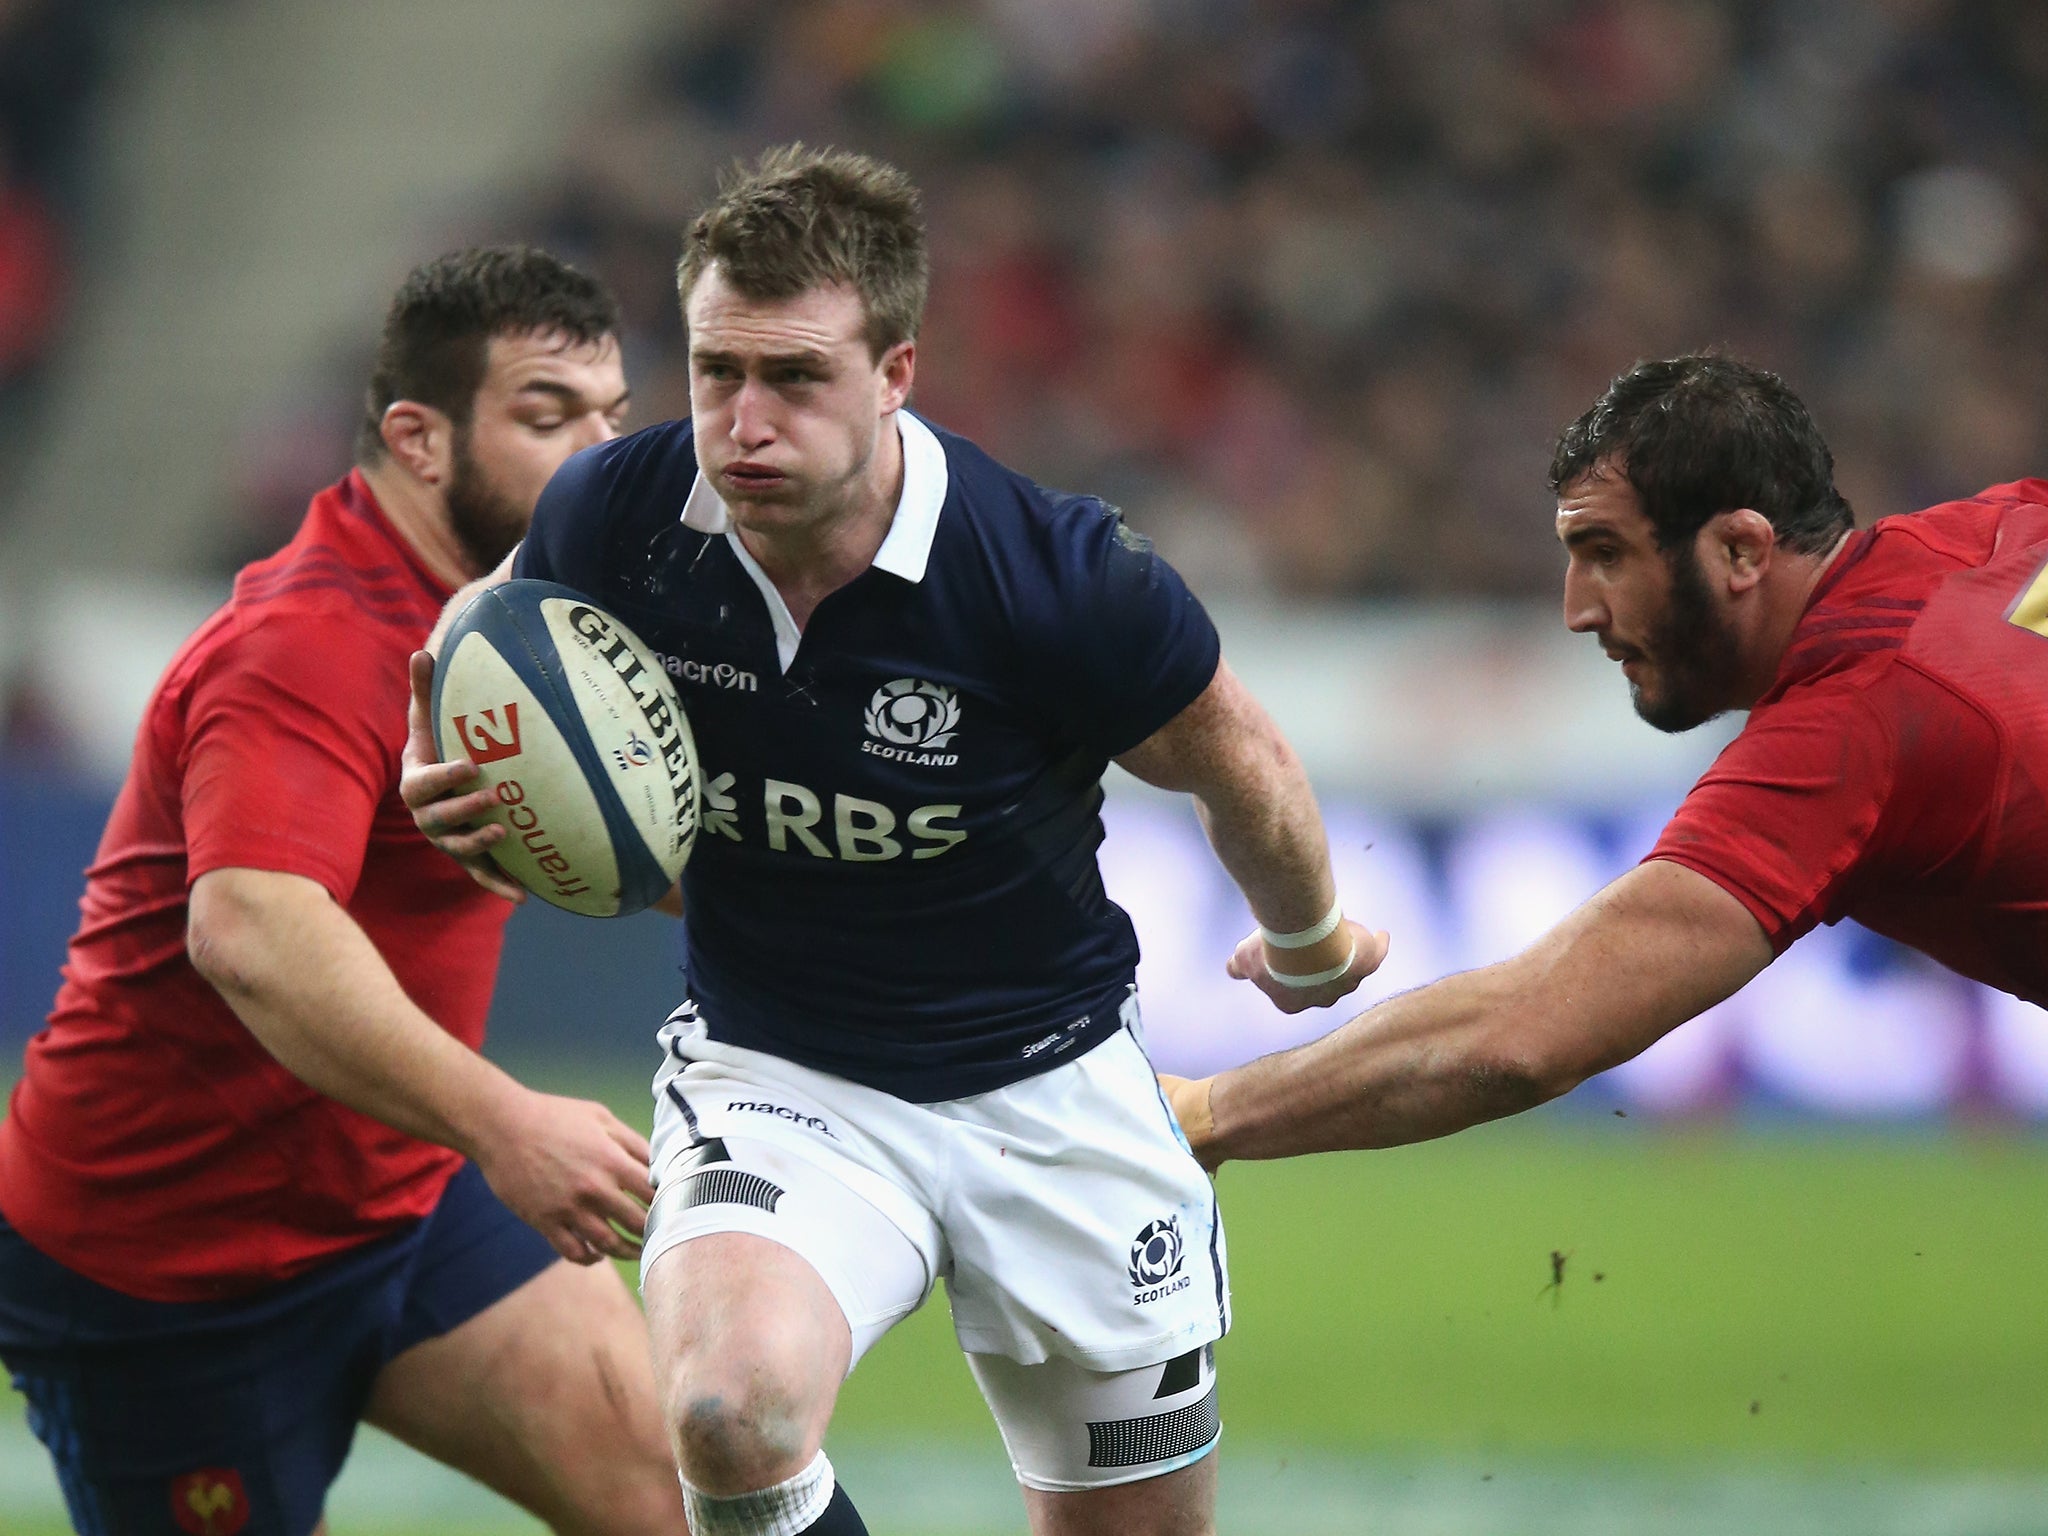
[[895, 878]]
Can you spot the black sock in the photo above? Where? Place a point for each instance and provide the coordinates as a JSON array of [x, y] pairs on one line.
[[840, 1518]]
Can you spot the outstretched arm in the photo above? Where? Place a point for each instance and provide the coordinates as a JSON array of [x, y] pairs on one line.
[[1656, 947], [1256, 805], [308, 983]]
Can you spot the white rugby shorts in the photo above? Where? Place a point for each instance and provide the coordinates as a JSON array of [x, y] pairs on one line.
[[1064, 1212]]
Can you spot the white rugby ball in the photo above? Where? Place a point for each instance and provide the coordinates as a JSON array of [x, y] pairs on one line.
[[581, 739]]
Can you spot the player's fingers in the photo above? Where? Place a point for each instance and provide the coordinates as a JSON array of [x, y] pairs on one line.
[[1189, 1100], [1248, 961], [463, 842], [1372, 951], [420, 670], [447, 792], [636, 1181], [629, 1140], [1289, 999], [494, 880], [625, 1214], [571, 1246], [606, 1240]]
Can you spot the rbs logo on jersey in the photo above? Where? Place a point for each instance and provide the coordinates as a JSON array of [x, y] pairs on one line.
[[860, 831], [863, 830]]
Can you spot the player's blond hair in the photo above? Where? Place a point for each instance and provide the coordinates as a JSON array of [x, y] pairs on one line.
[[803, 217]]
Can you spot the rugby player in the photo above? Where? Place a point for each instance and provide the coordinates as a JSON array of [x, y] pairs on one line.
[[910, 1049], [1893, 769], [257, 1184]]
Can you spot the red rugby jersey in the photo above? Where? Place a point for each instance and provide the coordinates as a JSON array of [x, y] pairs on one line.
[[152, 1144], [1897, 770]]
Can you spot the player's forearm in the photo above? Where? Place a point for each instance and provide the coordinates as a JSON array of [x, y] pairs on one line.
[[309, 985], [1268, 835], [1635, 961], [1420, 1065]]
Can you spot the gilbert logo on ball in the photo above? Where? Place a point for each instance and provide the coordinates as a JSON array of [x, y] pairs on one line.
[[582, 741]]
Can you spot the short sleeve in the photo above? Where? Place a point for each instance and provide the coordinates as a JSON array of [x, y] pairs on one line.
[[292, 738], [566, 540], [1130, 645], [1787, 813]]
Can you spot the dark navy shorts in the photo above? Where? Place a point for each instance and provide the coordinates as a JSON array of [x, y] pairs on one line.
[[233, 1418]]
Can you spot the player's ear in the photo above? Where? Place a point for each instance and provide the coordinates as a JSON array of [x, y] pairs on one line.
[[1746, 542], [899, 369], [420, 438]]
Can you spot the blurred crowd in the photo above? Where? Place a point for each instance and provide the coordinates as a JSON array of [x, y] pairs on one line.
[[1309, 286], [51, 57]]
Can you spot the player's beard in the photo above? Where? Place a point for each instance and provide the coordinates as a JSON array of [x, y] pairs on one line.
[[1693, 652], [486, 521]]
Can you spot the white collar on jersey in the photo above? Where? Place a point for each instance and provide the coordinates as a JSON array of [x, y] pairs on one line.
[[907, 547]]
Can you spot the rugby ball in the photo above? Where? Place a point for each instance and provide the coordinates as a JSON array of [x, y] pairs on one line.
[[582, 741]]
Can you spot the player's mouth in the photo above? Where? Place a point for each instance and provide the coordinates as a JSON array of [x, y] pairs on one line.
[[1630, 658], [746, 477]]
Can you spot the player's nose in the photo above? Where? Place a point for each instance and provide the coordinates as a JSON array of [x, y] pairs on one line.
[[1584, 612], [752, 417], [594, 428]]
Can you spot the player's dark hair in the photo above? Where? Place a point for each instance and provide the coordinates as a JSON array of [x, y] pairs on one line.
[[1700, 435], [801, 217], [437, 334]]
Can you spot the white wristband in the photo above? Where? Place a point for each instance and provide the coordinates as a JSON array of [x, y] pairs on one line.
[[1307, 936], [1315, 978]]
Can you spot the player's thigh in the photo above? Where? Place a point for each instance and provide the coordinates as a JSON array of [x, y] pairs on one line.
[[765, 1278], [1114, 1451], [1180, 1503], [166, 1418], [144, 1454], [546, 1396]]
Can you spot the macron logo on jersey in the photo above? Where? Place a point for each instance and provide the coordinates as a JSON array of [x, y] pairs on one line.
[[719, 674], [912, 721]]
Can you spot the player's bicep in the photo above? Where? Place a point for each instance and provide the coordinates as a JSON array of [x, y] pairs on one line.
[[1223, 739], [290, 746], [1655, 948], [1120, 646]]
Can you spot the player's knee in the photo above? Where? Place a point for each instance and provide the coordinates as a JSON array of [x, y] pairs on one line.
[[738, 1431]]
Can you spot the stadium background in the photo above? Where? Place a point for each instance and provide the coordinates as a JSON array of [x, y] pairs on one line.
[[1307, 287]]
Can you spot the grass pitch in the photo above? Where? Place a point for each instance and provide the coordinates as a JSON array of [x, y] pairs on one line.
[[1783, 1330], [1726, 1297]]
